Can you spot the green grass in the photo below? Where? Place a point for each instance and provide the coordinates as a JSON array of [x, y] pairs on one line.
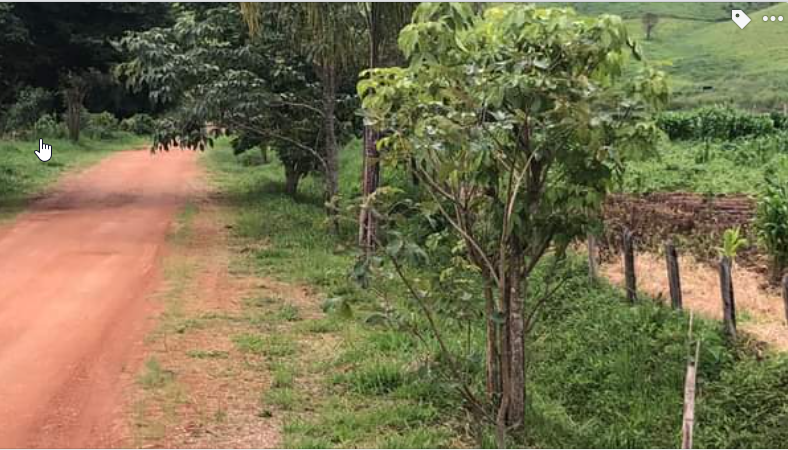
[[23, 176], [716, 168], [709, 58], [601, 373], [718, 62], [701, 11]]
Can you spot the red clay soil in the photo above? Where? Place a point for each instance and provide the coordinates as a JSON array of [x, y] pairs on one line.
[[76, 271]]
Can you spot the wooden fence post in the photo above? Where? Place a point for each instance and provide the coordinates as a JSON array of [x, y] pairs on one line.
[[593, 257], [728, 302], [674, 277], [785, 296], [688, 421], [629, 265]]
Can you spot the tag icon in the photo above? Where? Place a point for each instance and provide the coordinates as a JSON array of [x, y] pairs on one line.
[[44, 151], [739, 18]]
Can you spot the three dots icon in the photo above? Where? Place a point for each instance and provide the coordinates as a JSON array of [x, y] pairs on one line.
[[772, 18]]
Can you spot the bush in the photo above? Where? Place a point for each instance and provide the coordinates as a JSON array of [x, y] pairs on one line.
[[31, 104], [780, 120], [48, 127], [714, 123], [101, 126], [771, 223], [139, 124]]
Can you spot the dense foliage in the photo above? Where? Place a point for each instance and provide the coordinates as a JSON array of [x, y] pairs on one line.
[[40, 42], [514, 121], [715, 123], [772, 224], [211, 73]]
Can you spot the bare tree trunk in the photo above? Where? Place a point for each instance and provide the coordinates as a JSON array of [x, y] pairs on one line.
[[492, 358], [517, 342], [329, 136], [505, 349], [74, 98], [371, 180], [292, 177], [371, 177]]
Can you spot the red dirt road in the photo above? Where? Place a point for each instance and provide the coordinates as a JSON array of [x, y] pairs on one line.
[[76, 274]]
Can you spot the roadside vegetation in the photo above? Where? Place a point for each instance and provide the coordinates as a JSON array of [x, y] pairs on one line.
[[407, 190], [606, 374], [23, 177]]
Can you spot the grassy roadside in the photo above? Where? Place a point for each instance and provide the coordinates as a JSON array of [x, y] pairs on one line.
[[335, 381], [601, 373], [23, 176]]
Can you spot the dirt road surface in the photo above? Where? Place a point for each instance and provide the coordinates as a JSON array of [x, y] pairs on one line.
[[76, 273]]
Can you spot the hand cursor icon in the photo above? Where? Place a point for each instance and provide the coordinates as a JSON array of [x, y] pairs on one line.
[[44, 151]]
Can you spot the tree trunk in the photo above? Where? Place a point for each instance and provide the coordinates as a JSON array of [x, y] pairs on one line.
[[492, 358], [371, 180], [292, 177], [505, 349], [329, 136], [371, 157], [73, 114], [517, 343]]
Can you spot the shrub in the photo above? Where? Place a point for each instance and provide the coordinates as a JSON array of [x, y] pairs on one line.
[[31, 104], [139, 124], [780, 120], [771, 223], [48, 126], [102, 125], [714, 123]]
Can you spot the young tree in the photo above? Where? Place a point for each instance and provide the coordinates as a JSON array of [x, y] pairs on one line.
[[517, 121], [383, 20]]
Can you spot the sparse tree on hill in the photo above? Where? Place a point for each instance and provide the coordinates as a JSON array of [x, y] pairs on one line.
[[650, 21]]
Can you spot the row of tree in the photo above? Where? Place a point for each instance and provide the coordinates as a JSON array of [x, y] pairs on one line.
[[270, 73]]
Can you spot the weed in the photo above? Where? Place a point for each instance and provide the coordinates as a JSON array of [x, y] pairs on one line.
[[288, 312], [283, 376], [207, 354], [154, 376], [270, 346], [283, 398]]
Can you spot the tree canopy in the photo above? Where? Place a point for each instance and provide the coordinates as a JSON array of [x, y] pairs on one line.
[[40, 42], [515, 121]]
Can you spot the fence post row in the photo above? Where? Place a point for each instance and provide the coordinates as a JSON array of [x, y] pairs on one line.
[[629, 265], [674, 277], [728, 303]]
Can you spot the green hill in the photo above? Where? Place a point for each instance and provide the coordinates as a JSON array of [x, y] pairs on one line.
[[707, 11], [709, 58]]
